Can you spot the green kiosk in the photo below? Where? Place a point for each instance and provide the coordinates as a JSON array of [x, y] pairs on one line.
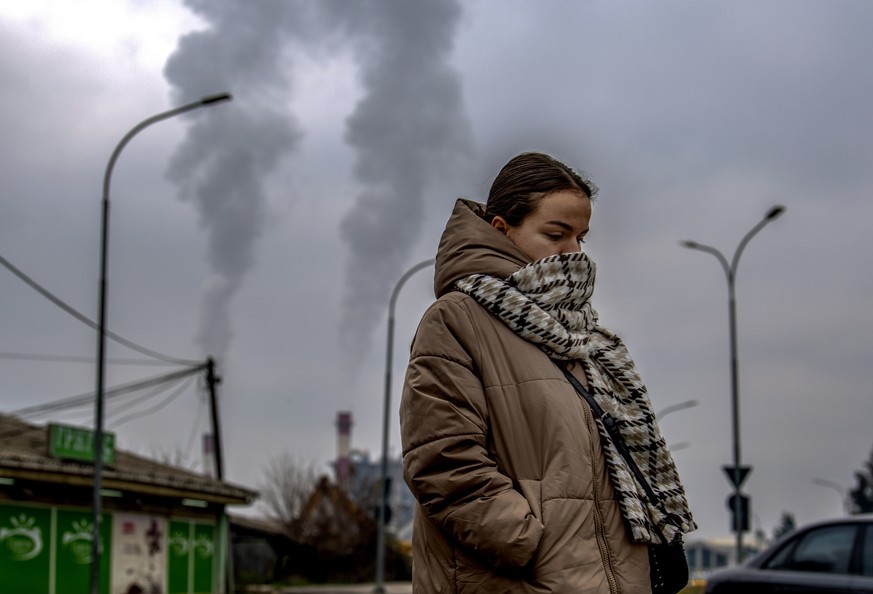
[[163, 528]]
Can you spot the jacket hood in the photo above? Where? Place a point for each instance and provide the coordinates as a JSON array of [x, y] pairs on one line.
[[469, 245]]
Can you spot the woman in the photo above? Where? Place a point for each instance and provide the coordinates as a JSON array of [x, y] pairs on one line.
[[516, 491]]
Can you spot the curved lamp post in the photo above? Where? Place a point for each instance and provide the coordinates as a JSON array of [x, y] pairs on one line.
[[731, 273], [675, 408], [844, 500], [383, 503], [101, 332]]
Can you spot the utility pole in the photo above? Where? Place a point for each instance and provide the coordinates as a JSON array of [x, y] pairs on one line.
[[211, 382]]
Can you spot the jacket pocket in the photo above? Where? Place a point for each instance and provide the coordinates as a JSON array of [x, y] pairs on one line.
[[532, 490], [474, 577]]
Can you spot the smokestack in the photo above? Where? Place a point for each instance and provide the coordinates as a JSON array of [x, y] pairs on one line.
[[343, 448]]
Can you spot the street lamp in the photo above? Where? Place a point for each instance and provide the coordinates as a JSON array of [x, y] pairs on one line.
[[101, 330], [380, 539], [737, 473], [675, 408], [836, 487]]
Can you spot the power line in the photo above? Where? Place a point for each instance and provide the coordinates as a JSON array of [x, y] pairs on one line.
[[118, 409], [194, 425], [88, 397], [156, 408], [75, 359], [87, 321]]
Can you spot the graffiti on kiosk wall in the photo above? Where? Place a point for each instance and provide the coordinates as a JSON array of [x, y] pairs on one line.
[[139, 556]]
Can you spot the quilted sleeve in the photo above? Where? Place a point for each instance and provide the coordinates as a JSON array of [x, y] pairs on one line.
[[444, 421]]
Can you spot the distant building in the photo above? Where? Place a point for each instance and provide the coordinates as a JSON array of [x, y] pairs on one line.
[[331, 540], [261, 551], [706, 556]]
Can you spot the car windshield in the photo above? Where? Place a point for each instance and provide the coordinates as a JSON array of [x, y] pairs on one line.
[[823, 550]]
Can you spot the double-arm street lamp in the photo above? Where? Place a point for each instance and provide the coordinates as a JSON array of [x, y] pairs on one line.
[[101, 331], [737, 473], [383, 503]]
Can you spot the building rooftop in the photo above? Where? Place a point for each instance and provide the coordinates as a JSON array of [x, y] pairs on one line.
[[24, 455]]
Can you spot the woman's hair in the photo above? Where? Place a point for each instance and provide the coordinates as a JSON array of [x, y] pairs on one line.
[[527, 179]]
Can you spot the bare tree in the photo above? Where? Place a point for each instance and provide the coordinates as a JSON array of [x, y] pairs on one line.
[[288, 485], [173, 457]]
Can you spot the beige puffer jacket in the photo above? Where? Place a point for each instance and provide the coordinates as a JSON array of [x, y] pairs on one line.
[[502, 455]]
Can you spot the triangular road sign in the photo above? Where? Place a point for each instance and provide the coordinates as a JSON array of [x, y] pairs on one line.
[[737, 474]]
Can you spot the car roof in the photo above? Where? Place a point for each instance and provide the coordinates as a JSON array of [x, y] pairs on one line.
[[866, 517], [757, 559]]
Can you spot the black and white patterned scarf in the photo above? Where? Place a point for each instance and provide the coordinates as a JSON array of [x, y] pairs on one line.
[[548, 303]]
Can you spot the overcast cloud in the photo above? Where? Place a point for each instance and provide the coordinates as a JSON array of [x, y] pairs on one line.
[[242, 230]]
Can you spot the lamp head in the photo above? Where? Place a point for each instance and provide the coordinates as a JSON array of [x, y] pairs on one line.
[[775, 212], [688, 243], [218, 98]]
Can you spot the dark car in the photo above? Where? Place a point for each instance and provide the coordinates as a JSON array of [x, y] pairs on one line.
[[828, 556]]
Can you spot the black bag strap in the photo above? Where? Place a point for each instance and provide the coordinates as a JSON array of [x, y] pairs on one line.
[[611, 426]]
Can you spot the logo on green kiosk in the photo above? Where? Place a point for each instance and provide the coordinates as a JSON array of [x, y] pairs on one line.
[[75, 443], [178, 542], [23, 540], [79, 541], [203, 546]]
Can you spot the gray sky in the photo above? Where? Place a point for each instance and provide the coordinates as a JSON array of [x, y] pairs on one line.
[[269, 231]]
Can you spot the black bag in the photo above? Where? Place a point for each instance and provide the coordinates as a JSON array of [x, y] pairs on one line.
[[668, 565]]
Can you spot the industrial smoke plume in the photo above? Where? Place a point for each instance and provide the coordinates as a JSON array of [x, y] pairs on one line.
[[408, 126], [223, 161]]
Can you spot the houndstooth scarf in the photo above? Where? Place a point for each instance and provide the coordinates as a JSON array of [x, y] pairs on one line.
[[548, 303]]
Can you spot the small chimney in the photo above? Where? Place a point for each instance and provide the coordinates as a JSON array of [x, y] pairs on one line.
[[208, 455]]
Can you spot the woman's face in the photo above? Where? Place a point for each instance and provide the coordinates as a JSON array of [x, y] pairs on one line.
[[557, 225]]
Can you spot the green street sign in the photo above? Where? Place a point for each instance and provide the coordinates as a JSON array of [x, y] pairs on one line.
[[75, 443]]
